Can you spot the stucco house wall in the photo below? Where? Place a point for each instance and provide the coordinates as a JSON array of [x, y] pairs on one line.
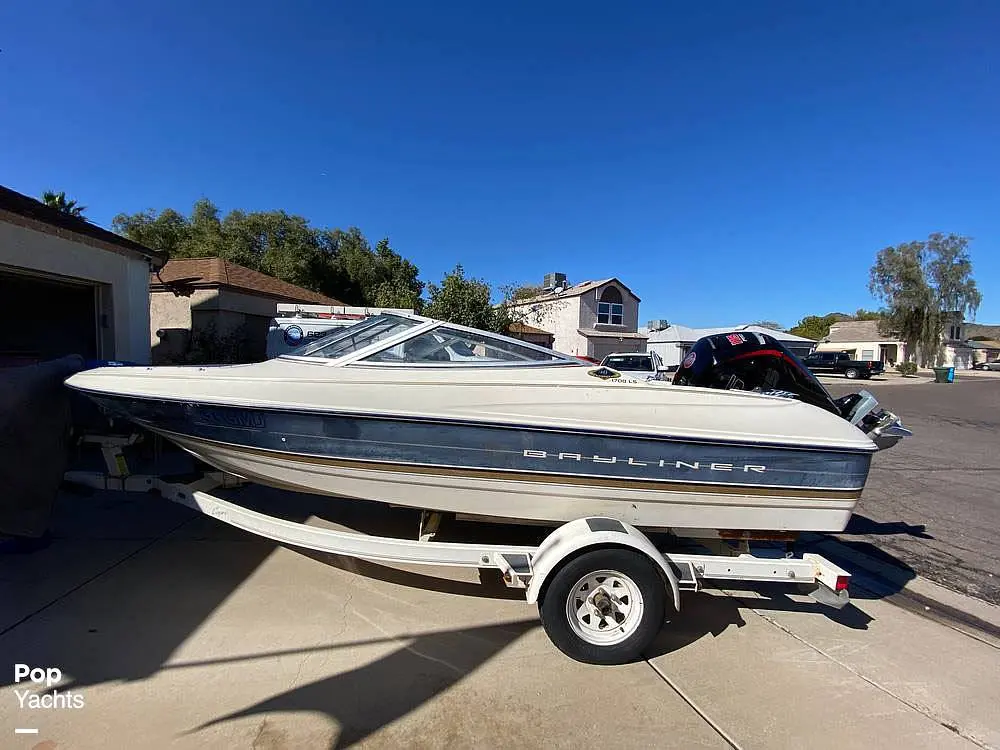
[[214, 309], [559, 317], [572, 314], [122, 280]]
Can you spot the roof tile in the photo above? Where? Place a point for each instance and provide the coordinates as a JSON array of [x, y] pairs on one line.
[[210, 272]]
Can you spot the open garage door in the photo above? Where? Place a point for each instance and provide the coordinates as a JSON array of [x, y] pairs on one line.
[[601, 349], [45, 317]]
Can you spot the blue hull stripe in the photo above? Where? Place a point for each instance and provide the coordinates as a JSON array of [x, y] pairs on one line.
[[492, 448]]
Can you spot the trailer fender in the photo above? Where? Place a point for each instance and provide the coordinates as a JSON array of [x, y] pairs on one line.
[[585, 533]]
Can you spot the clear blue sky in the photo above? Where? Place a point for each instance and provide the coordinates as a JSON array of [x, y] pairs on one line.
[[729, 161]]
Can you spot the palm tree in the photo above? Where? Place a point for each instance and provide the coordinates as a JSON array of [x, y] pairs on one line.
[[58, 201]]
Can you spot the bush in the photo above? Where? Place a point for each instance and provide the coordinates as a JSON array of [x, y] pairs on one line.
[[907, 368]]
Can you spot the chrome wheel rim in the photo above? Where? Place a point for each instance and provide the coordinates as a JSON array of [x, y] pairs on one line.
[[604, 607]]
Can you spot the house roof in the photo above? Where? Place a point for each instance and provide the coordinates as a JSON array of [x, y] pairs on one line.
[[525, 328], [218, 272], [16, 208], [684, 334], [574, 291], [595, 333], [992, 332], [990, 345], [856, 330]]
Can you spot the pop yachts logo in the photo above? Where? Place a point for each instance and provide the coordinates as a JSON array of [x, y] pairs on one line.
[[657, 463], [43, 678]]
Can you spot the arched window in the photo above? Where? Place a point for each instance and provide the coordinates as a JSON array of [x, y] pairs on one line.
[[610, 310]]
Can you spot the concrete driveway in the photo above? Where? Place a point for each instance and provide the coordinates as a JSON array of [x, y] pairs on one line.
[[178, 631]]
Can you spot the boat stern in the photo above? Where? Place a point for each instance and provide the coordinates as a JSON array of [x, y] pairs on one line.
[[884, 428]]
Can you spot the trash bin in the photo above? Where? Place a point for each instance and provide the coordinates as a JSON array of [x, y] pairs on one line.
[[944, 374]]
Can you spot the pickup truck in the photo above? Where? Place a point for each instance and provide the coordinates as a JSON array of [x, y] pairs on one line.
[[842, 363]]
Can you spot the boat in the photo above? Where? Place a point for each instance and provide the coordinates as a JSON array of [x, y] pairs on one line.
[[411, 411]]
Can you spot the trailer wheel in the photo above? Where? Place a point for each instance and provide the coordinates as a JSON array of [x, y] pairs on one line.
[[605, 606], [850, 373]]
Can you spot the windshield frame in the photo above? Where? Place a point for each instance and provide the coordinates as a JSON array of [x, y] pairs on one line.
[[425, 325]]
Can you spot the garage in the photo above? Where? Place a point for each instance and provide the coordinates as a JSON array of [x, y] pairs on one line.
[[602, 343], [67, 320], [69, 287]]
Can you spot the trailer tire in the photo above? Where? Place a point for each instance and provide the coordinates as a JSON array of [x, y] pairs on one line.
[[605, 606]]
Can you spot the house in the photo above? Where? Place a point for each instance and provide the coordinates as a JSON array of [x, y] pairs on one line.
[[211, 309], [70, 287], [984, 341], [590, 319], [532, 335], [863, 340], [673, 343]]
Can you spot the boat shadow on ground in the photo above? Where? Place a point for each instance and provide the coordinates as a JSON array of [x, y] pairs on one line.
[[877, 572], [373, 695]]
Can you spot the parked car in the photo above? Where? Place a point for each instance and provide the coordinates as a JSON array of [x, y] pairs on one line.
[[995, 365], [841, 362], [647, 364]]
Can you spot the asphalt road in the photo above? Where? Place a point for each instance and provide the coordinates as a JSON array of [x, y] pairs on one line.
[[933, 501]]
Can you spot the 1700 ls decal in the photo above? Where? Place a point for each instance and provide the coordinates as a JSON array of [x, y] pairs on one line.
[[661, 463]]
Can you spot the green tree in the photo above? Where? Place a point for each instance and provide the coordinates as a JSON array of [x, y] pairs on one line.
[[340, 264], [58, 201], [466, 301], [525, 291], [167, 231], [921, 283], [378, 278], [863, 314], [816, 327], [773, 324]]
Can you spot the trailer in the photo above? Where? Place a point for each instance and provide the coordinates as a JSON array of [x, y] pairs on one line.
[[602, 587]]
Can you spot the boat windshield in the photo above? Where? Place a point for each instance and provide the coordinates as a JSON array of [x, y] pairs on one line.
[[390, 339], [445, 344], [343, 341]]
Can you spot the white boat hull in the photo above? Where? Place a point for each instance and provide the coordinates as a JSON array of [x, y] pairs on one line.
[[548, 501]]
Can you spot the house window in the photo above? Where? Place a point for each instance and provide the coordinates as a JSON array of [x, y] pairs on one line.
[[955, 333], [610, 310], [867, 354]]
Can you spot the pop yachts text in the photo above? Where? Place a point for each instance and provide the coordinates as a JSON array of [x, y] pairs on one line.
[[43, 677], [55, 699]]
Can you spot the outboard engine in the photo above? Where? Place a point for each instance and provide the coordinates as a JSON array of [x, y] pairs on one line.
[[756, 362]]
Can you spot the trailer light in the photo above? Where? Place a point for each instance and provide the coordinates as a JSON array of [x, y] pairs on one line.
[[842, 582]]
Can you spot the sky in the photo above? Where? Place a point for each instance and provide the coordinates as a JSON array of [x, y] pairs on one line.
[[728, 161]]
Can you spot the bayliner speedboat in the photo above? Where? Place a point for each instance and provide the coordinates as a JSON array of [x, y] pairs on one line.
[[416, 412]]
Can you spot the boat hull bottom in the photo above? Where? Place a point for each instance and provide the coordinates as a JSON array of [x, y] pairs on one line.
[[548, 501]]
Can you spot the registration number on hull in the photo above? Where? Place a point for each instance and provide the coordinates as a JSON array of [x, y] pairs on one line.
[[246, 419]]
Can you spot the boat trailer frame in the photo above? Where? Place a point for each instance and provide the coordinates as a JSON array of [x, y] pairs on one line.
[[529, 568]]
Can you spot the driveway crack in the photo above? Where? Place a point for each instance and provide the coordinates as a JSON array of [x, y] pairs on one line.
[[923, 710]]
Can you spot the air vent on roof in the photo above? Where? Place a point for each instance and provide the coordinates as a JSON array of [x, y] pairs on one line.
[[554, 281]]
